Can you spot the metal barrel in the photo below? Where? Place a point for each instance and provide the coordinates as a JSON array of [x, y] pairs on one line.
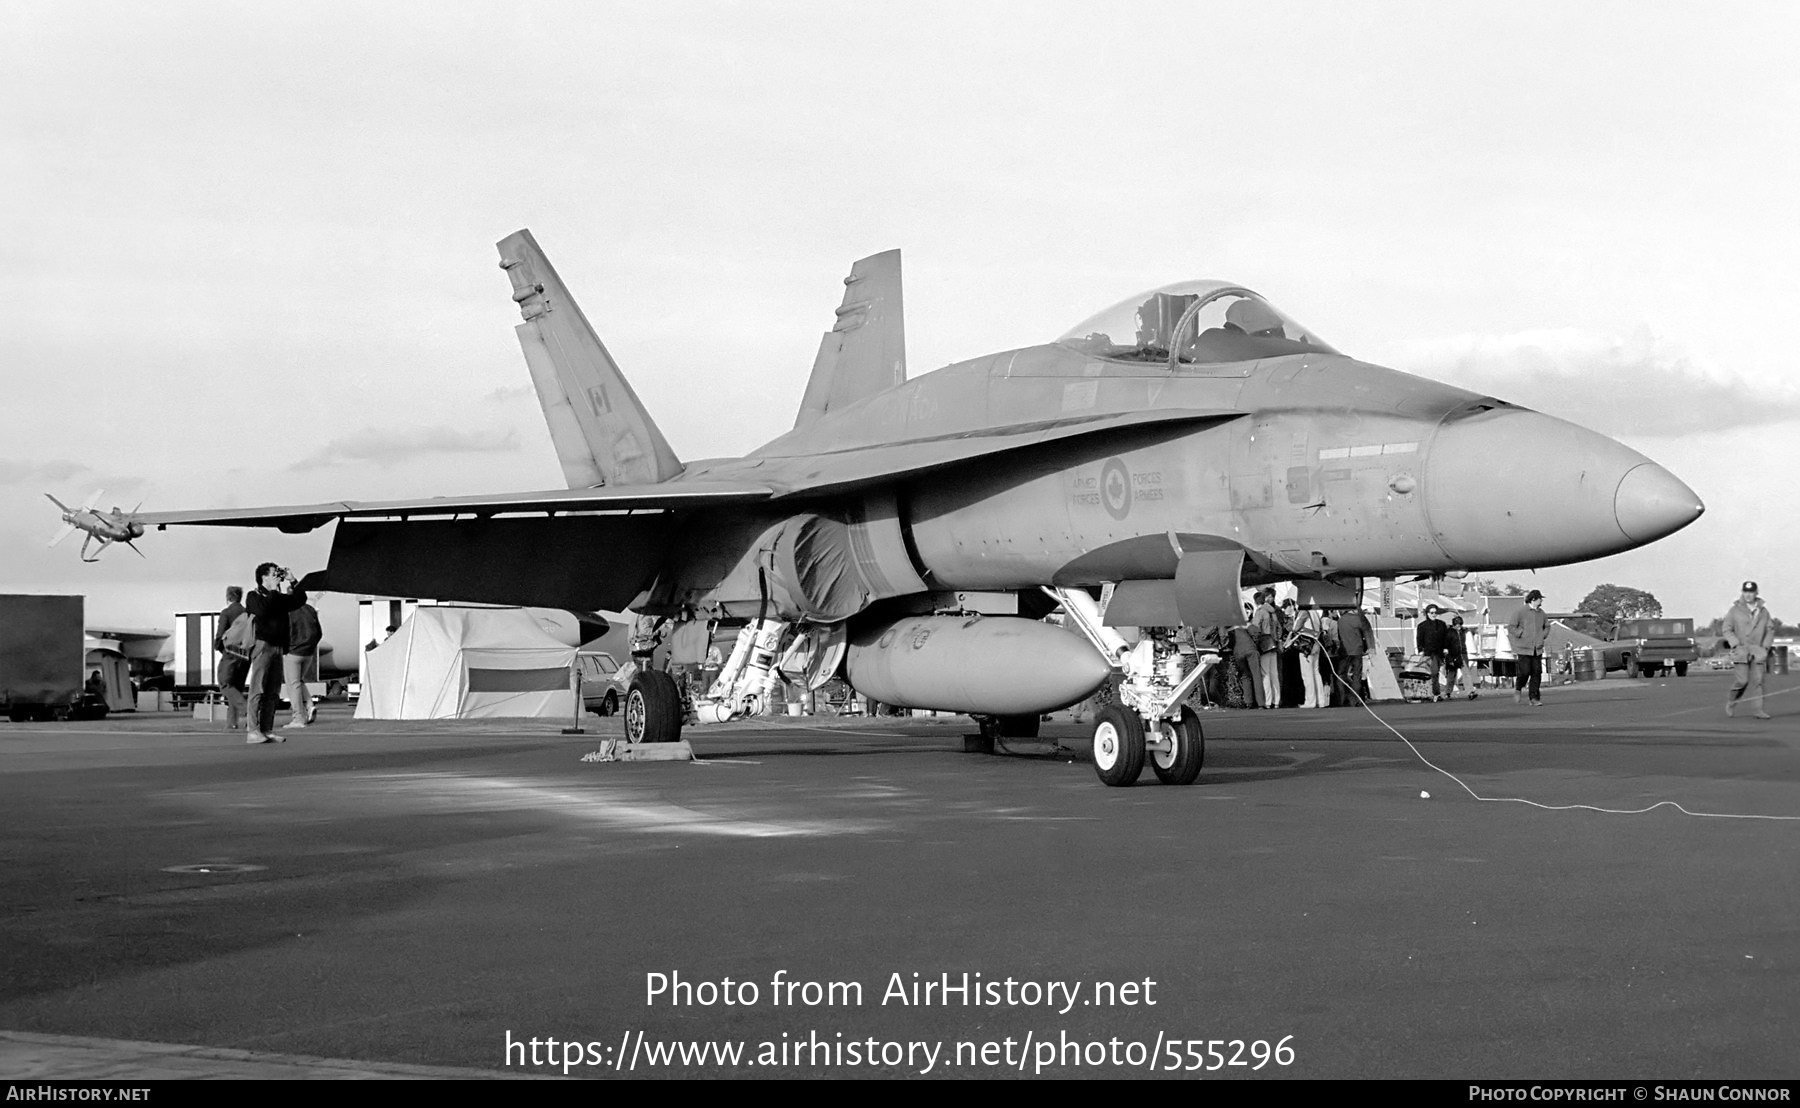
[[1585, 665]]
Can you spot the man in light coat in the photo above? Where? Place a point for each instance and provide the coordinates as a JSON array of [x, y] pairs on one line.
[[1748, 631], [1528, 631], [234, 668], [1265, 624]]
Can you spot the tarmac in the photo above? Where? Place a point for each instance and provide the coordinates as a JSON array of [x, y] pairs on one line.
[[860, 898]]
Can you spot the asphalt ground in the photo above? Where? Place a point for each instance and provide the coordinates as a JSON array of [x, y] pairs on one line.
[[404, 899]]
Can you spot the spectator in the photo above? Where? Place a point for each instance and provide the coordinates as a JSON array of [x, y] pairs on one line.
[[1456, 658], [1265, 623], [1244, 658], [1748, 632], [277, 594], [234, 663], [299, 662], [1529, 628], [1355, 637], [1432, 638]]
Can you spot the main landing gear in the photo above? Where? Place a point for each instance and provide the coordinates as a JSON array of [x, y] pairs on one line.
[[652, 708]]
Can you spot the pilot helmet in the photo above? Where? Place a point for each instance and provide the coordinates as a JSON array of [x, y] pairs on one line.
[[1253, 317]]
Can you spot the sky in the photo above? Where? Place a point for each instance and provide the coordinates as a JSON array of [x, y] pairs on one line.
[[247, 252]]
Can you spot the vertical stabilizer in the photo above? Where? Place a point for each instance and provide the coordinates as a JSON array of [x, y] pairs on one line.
[[602, 433], [865, 351]]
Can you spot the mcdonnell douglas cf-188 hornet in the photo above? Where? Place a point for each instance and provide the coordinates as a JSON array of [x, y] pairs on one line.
[[1136, 473]]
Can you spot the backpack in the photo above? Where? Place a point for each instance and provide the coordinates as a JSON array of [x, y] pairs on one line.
[[303, 630], [240, 637]]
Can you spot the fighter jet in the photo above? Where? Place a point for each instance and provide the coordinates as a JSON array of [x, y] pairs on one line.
[[108, 527], [914, 533]]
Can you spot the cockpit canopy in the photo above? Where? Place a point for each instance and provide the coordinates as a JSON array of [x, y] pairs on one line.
[[1193, 323]]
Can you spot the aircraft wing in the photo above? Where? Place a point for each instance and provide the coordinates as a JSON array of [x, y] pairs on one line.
[[597, 548], [808, 474], [296, 518], [126, 634], [839, 470]]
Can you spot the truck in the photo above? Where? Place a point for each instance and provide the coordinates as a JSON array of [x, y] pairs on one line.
[[43, 648], [1652, 647]]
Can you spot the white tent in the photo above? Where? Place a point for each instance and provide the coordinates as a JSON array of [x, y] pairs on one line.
[[467, 663]]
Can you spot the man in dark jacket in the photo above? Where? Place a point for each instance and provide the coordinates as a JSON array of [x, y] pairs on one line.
[[1456, 658], [1244, 658], [1433, 639], [233, 668], [277, 593], [1356, 638]]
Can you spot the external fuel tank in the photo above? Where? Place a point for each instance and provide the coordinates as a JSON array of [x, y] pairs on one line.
[[983, 665]]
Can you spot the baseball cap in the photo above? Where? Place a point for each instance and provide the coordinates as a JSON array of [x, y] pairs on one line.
[[1749, 586], [1533, 595]]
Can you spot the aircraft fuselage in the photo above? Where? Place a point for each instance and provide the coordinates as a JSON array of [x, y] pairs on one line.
[[1318, 465]]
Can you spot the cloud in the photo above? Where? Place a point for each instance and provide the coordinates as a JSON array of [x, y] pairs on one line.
[[386, 447], [52, 472], [505, 395], [1619, 386]]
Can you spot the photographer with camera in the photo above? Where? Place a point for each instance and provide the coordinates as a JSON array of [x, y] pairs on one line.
[[278, 593]]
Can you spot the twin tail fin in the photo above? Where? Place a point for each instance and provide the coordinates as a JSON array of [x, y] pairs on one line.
[[602, 433]]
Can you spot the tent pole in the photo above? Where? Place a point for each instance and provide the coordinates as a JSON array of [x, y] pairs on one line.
[[574, 727]]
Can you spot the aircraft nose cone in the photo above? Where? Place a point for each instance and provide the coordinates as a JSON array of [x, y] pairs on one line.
[[1652, 502], [1509, 487]]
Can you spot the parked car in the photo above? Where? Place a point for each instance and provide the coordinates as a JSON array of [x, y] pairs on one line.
[[601, 692]]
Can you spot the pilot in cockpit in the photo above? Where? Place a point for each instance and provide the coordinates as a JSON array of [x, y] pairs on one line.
[[1253, 317]]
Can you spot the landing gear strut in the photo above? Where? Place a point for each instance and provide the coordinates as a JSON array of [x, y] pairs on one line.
[[1147, 717]]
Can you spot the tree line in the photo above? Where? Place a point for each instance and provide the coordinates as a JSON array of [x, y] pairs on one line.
[[1607, 604]]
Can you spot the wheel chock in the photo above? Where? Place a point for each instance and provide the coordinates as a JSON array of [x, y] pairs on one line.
[[618, 750]]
